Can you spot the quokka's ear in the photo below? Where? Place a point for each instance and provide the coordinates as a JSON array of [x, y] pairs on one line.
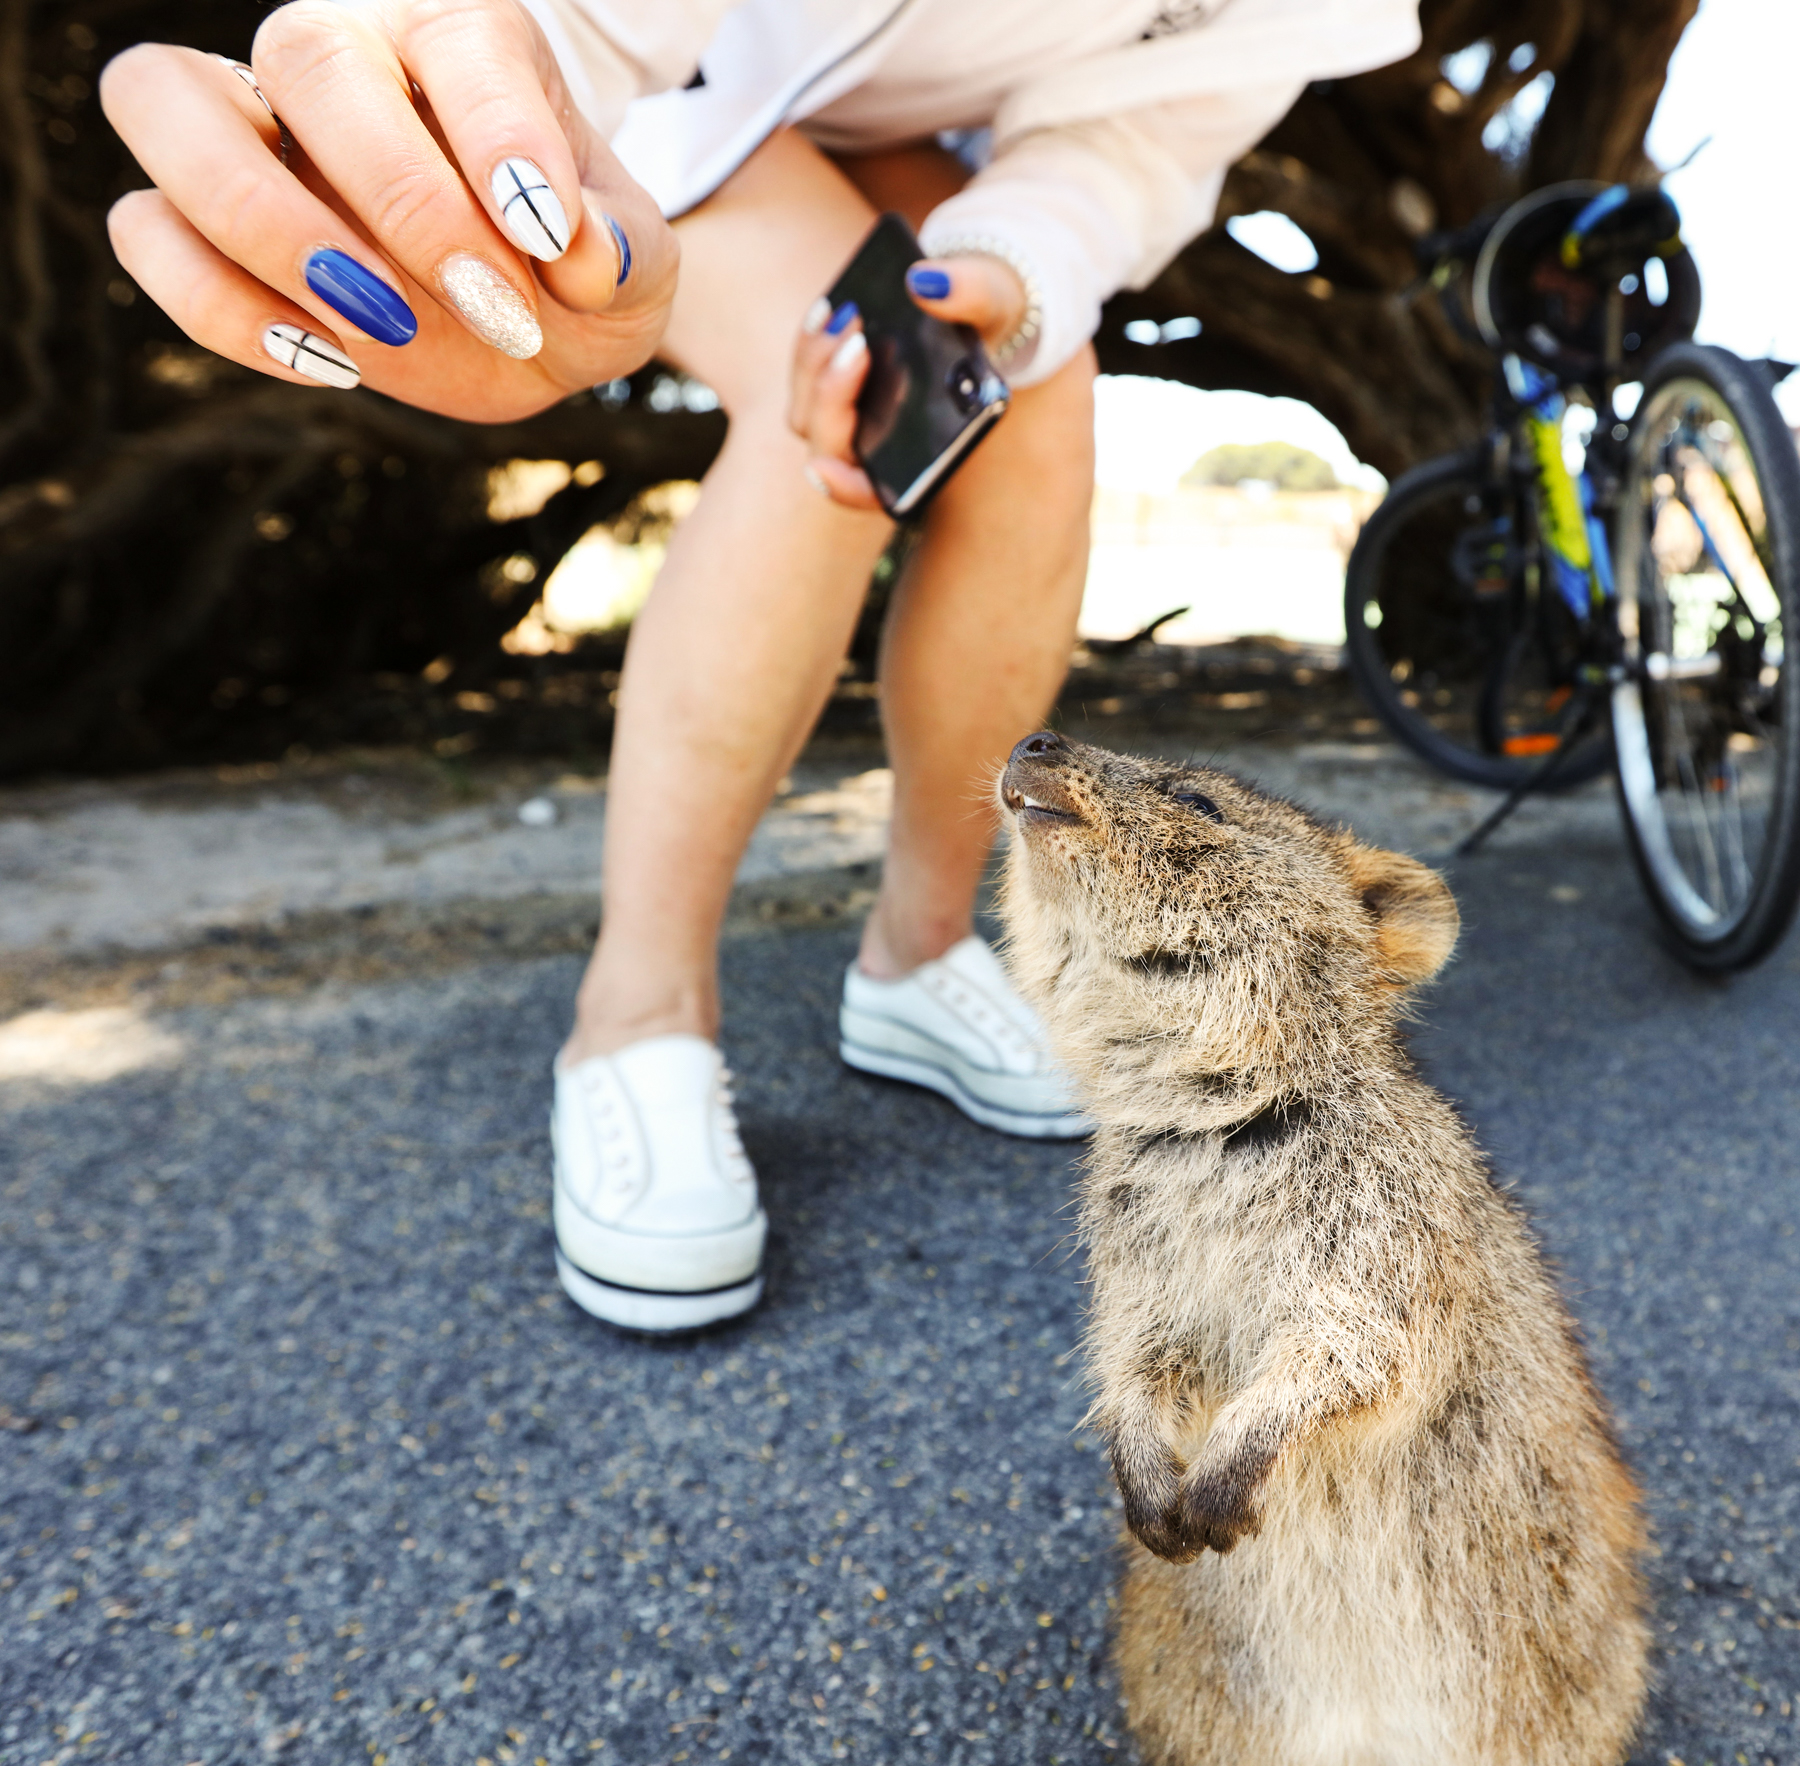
[[1415, 914]]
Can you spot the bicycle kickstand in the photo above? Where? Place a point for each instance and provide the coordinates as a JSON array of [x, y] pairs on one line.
[[1581, 713]]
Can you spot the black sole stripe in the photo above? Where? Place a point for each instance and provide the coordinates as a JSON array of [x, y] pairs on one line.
[[600, 1281], [962, 1091]]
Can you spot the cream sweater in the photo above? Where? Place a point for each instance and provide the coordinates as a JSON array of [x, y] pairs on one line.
[[1112, 121]]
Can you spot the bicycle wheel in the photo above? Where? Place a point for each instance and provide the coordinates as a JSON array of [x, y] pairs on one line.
[[1450, 638], [1707, 727]]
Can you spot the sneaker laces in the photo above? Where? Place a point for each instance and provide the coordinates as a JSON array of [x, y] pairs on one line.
[[974, 1007], [724, 1107]]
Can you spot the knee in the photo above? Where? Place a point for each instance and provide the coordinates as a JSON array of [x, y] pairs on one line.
[[1051, 428], [1056, 418], [1039, 459]]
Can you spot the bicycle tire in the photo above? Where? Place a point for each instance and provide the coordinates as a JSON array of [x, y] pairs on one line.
[[1416, 649], [1709, 762]]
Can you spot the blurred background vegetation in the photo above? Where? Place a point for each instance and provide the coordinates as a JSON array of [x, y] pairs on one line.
[[198, 563], [1281, 465]]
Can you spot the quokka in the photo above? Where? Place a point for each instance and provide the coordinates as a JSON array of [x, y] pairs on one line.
[[1378, 1514]]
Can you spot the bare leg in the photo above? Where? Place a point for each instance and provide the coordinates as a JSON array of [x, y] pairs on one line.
[[735, 653], [978, 638], [977, 644]]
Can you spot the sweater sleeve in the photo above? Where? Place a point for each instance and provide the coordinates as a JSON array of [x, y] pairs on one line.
[[612, 51], [1097, 206]]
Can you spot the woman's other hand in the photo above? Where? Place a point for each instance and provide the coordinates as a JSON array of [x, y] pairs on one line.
[[831, 359], [446, 227]]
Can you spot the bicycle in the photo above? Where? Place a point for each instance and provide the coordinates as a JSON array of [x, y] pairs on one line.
[[1528, 612]]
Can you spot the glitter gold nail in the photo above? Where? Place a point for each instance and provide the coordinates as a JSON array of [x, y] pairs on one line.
[[492, 307]]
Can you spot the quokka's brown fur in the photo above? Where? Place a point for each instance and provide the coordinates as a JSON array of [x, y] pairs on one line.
[[1321, 1340]]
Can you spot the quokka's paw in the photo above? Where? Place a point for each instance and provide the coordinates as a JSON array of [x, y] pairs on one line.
[[1217, 1502], [1219, 1505], [1149, 1480]]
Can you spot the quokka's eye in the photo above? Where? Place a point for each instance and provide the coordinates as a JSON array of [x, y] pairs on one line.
[[1201, 805]]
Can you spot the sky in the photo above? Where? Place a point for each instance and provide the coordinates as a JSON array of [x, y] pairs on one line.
[[1731, 79]]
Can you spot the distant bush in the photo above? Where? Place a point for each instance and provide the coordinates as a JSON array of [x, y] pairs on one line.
[[1279, 463]]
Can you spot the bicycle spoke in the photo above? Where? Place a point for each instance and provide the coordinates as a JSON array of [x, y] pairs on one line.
[[1698, 826], [1739, 846], [1756, 533]]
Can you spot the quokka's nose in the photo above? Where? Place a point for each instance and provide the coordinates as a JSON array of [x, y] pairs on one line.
[[1046, 748]]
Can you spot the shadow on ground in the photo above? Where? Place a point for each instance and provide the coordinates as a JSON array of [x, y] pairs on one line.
[[309, 1459]]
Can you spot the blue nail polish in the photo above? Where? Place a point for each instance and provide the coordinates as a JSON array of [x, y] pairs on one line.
[[361, 296], [927, 284], [624, 246], [840, 318]]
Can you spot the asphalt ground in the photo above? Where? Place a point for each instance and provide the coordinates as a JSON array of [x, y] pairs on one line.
[[308, 1459]]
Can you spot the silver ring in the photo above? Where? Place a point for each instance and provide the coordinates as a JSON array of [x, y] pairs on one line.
[[247, 74]]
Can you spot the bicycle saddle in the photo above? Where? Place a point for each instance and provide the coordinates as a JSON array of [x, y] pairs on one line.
[[1625, 227]]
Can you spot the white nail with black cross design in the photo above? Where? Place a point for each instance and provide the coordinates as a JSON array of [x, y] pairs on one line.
[[309, 354], [529, 207]]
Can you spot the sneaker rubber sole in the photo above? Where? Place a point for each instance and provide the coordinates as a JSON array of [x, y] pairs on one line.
[[1063, 1126], [658, 1311]]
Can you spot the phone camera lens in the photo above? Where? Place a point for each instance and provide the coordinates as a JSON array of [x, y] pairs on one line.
[[964, 383]]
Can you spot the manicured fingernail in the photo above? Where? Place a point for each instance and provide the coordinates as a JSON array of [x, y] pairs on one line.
[[624, 246], [361, 296], [816, 315], [840, 318], [496, 311], [849, 351], [529, 207], [927, 284], [308, 353], [817, 482]]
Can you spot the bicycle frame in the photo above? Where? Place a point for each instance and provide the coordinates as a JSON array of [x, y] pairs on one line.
[[1571, 508], [1575, 510], [1572, 519]]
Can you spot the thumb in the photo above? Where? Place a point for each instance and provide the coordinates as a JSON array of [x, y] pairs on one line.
[[980, 292]]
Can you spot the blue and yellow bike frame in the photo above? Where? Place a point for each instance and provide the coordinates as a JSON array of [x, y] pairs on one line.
[[1576, 549]]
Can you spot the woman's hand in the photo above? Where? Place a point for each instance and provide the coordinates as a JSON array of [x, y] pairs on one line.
[[447, 227], [831, 360]]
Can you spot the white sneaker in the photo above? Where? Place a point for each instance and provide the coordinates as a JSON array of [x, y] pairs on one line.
[[657, 1222], [956, 1025]]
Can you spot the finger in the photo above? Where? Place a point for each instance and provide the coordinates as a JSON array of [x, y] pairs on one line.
[[640, 270], [822, 333], [321, 64], [479, 67], [843, 484], [831, 415], [545, 178], [981, 292], [812, 350], [220, 306], [263, 114], [217, 169]]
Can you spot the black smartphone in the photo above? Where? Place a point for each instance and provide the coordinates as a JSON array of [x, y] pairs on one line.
[[930, 394]]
